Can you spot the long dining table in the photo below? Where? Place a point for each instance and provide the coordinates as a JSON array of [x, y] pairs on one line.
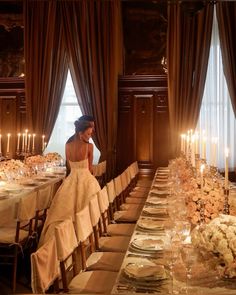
[[156, 260], [12, 192]]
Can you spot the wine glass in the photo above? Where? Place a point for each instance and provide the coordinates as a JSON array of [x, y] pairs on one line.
[[189, 257], [183, 228]]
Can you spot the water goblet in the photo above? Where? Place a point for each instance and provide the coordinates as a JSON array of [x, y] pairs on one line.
[[189, 257]]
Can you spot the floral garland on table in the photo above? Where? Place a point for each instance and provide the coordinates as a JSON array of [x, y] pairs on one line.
[[53, 157], [35, 160], [12, 166], [218, 238], [213, 204]]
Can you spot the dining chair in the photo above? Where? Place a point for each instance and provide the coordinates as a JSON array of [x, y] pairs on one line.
[[73, 280], [43, 202], [120, 216], [94, 259], [16, 239], [112, 228], [105, 243], [45, 270]]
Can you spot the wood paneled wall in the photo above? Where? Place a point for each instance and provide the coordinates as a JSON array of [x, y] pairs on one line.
[[12, 111], [143, 122]]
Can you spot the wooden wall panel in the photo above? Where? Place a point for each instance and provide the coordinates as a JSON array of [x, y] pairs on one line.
[[12, 111], [143, 127], [143, 122]]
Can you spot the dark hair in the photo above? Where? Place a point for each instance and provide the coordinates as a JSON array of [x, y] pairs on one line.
[[81, 126], [86, 118]]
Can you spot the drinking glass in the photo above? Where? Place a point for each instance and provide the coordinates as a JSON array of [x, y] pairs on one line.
[[189, 257]]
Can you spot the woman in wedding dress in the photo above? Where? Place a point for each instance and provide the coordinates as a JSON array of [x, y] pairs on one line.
[[78, 187]]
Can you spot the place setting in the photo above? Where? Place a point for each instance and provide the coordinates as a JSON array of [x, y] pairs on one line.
[[143, 276], [149, 225]]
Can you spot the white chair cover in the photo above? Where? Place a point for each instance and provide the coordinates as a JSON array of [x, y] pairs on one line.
[[27, 207], [118, 185], [103, 200], [94, 209], [44, 267], [111, 191], [65, 238], [44, 197], [83, 224]]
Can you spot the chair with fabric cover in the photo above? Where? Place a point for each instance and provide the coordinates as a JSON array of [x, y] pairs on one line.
[[127, 216], [85, 282], [112, 229], [105, 244], [16, 238], [110, 261], [43, 201], [45, 269]]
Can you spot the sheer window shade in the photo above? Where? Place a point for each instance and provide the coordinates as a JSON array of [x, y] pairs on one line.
[[64, 126], [216, 115]]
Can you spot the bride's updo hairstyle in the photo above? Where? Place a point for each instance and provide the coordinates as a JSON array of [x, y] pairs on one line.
[[81, 126]]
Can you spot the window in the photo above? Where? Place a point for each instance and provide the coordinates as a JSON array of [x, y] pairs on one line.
[[64, 126], [216, 115]]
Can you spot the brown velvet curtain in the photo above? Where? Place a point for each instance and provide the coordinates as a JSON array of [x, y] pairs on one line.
[[226, 16], [93, 37], [46, 66], [188, 44]]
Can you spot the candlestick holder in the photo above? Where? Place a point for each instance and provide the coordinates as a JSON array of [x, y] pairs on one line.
[[201, 211], [226, 201], [1, 157], [7, 155]]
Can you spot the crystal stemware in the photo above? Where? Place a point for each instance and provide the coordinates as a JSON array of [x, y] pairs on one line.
[[189, 257]]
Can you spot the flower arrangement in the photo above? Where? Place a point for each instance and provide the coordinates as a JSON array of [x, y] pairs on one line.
[[218, 238], [212, 203], [11, 167], [53, 157], [35, 160]]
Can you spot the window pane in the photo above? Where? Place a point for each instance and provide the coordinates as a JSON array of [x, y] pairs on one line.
[[64, 126]]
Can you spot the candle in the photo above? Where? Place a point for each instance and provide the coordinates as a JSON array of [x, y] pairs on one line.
[[26, 131], [196, 143], [226, 168], [204, 147], [202, 167], [23, 142], [213, 151], [28, 147], [0, 144], [187, 146], [182, 143], [18, 141], [43, 137], [33, 141], [193, 150], [8, 142]]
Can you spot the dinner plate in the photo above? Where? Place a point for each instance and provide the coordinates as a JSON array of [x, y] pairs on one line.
[[157, 201], [150, 224], [13, 188], [41, 179], [4, 195], [155, 211], [144, 271], [148, 244]]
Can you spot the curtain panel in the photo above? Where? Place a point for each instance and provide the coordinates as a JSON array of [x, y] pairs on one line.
[[188, 44], [226, 15], [46, 66], [93, 38]]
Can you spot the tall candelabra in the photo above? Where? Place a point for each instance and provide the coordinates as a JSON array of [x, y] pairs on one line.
[[226, 201]]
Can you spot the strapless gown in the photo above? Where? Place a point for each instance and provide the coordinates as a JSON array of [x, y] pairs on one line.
[[72, 196]]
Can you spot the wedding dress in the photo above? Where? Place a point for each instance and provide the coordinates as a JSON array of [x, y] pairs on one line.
[[72, 196]]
